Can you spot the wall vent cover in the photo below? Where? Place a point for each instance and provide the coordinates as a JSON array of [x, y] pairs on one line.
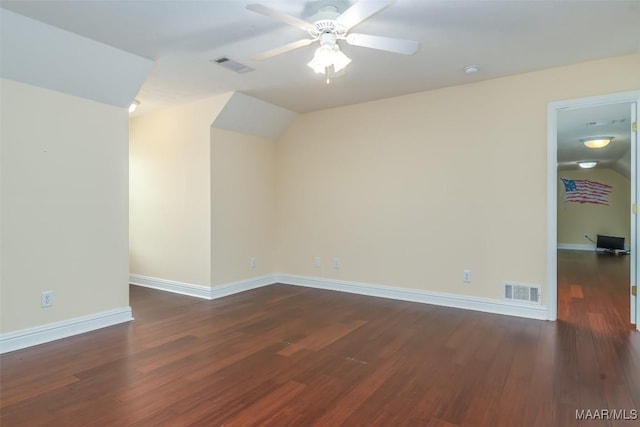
[[232, 65], [521, 292]]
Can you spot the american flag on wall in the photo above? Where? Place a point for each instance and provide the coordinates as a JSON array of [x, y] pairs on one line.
[[585, 191]]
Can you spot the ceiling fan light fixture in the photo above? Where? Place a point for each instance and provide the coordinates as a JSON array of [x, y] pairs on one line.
[[328, 26], [326, 56], [587, 165], [597, 142], [340, 60], [322, 59]]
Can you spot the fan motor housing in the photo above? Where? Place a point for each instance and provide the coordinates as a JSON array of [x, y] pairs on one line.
[[326, 26]]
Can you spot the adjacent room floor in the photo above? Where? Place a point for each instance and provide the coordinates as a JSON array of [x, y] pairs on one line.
[[593, 289], [286, 355]]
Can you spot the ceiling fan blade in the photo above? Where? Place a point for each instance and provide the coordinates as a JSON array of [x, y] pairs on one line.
[[361, 11], [271, 13], [283, 49], [405, 47]]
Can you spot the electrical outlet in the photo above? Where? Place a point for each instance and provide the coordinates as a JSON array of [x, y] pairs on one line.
[[317, 262], [466, 276], [336, 262], [252, 262], [46, 299]]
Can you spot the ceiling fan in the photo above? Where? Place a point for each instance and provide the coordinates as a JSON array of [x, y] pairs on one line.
[[328, 27]]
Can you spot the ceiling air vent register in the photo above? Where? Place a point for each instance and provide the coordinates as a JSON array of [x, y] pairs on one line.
[[232, 65]]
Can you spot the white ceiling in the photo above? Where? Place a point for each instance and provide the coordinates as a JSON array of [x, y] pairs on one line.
[[605, 120], [501, 37], [45, 56]]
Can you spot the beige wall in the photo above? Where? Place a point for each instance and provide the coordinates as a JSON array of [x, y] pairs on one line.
[[202, 198], [243, 205], [64, 177], [575, 219], [409, 191], [170, 193]]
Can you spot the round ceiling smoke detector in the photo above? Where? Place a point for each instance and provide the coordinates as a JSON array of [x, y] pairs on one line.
[[470, 69]]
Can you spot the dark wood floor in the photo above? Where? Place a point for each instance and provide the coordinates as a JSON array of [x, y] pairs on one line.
[[593, 289], [285, 355]]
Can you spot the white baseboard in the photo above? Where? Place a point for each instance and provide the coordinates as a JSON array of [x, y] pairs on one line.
[[54, 331], [189, 289], [200, 291], [466, 302], [576, 247], [242, 285]]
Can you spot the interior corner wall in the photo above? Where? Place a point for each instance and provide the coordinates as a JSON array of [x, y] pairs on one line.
[[243, 206], [64, 220], [170, 193], [409, 191], [577, 219]]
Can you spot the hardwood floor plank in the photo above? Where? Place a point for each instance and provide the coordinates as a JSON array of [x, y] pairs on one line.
[[26, 393], [362, 389], [286, 355], [576, 292], [440, 423], [267, 408]]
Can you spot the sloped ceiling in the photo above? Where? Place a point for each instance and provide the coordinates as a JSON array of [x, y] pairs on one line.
[[105, 50], [182, 37], [252, 116], [48, 57]]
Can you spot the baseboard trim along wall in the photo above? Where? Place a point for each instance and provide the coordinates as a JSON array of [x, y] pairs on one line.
[[466, 302], [241, 286], [201, 291], [189, 289], [576, 247], [54, 331]]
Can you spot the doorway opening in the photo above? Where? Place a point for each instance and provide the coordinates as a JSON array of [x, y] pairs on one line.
[[586, 282]]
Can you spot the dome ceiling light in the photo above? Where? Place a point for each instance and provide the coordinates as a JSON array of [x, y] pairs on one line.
[[597, 142]]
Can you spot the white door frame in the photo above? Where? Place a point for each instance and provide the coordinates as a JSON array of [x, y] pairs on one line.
[[552, 187], [635, 221]]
